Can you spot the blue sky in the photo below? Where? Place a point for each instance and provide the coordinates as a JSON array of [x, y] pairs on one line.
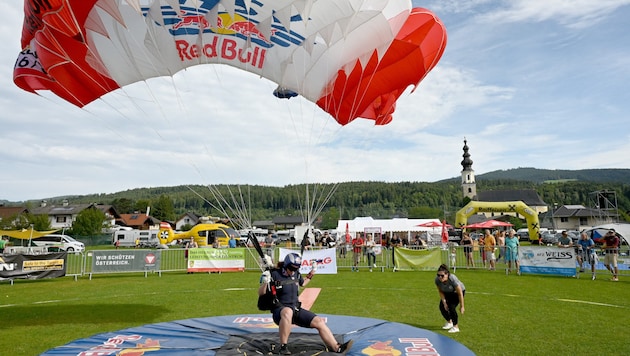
[[529, 83]]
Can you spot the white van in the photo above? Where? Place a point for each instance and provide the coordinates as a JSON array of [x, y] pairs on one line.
[[63, 242]]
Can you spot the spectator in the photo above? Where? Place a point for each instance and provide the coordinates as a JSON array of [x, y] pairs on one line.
[[482, 251], [357, 249], [269, 243], [232, 242], [369, 251], [452, 292], [328, 241], [586, 251], [467, 242], [489, 246], [500, 237], [190, 244], [511, 252], [3, 243], [565, 241], [611, 248], [306, 242]]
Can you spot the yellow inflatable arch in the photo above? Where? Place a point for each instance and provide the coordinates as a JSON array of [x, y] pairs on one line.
[[531, 216]]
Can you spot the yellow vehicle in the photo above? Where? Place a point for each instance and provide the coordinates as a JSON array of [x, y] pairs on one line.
[[204, 234]]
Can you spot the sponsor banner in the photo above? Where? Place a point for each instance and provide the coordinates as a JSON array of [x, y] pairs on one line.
[[326, 259], [547, 260], [50, 265], [409, 260], [216, 260], [125, 261]]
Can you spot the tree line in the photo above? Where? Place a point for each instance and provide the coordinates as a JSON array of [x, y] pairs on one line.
[[351, 199]]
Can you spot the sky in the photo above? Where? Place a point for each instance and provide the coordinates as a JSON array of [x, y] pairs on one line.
[[528, 83]]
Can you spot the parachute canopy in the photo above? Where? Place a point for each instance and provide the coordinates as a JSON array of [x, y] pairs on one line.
[[353, 58]]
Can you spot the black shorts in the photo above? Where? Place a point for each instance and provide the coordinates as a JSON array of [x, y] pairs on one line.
[[301, 317]]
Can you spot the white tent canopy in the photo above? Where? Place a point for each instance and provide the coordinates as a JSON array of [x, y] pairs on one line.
[[621, 229]]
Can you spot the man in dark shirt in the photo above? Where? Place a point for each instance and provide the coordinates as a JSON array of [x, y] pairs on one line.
[[287, 281], [611, 247]]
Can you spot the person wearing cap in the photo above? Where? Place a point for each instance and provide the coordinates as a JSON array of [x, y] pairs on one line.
[[611, 247], [287, 281], [564, 240]]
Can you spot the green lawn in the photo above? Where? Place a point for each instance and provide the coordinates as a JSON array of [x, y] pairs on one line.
[[526, 315]]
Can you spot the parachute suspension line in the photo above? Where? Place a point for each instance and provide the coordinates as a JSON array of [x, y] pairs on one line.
[[241, 220], [238, 212]]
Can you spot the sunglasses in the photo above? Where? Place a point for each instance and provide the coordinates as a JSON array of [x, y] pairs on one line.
[[441, 275], [292, 268]]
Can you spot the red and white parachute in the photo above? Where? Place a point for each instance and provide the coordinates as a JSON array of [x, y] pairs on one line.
[[353, 58]]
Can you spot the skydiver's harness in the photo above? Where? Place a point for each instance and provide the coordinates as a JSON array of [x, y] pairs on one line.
[[269, 300]]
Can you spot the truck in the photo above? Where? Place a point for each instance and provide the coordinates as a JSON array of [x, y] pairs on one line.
[[127, 238], [206, 235]]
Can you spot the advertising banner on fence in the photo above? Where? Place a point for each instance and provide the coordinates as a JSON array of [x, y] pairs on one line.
[[216, 260], [49, 265], [326, 259], [547, 260], [409, 260], [125, 261]]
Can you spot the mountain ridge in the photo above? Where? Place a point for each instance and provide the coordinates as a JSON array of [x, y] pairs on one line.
[[537, 175]]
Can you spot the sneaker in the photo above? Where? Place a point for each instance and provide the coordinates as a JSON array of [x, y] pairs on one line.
[[593, 278], [345, 347], [581, 270], [284, 350], [615, 279], [447, 326], [375, 265], [454, 329]]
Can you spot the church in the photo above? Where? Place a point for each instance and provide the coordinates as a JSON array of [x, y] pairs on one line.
[[469, 190]]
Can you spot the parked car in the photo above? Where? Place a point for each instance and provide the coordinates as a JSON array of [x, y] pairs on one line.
[[455, 235], [523, 234], [550, 238], [62, 242]]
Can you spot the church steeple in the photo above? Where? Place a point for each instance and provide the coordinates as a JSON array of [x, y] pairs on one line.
[[467, 162], [469, 187]]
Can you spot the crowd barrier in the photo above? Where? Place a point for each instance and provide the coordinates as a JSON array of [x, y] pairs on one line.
[[79, 264]]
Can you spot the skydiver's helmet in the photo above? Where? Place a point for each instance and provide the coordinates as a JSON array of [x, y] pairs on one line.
[[292, 262]]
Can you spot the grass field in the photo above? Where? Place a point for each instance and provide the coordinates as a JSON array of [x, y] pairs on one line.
[[505, 315]]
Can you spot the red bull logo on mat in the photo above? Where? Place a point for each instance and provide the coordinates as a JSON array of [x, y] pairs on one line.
[[114, 346]]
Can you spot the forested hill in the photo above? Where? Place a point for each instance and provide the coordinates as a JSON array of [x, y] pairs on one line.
[[376, 199], [546, 175]]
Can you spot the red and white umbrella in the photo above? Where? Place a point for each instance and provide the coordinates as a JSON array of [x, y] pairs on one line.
[[487, 224], [433, 223]]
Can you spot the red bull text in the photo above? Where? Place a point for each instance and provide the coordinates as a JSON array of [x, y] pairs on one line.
[[224, 48]]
